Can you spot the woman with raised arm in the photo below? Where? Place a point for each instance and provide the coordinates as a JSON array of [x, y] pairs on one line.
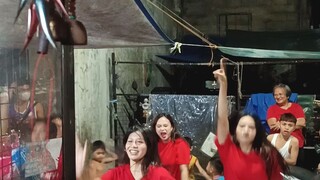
[[243, 147]]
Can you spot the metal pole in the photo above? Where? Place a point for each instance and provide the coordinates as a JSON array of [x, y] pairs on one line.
[[114, 97], [110, 103], [249, 63], [68, 111]]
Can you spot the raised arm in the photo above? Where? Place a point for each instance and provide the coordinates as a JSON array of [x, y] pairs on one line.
[[40, 111], [223, 124], [81, 152], [202, 171], [113, 156]]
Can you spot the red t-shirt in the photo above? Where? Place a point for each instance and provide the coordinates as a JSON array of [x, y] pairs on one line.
[[173, 154], [275, 111], [123, 173], [238, 165]]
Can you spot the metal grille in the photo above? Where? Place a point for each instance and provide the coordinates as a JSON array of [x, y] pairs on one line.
[[22, 154], [234, 21]]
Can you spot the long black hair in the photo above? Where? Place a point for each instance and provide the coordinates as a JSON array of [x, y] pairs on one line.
[[174, 134], [151, 157], [260, 144]]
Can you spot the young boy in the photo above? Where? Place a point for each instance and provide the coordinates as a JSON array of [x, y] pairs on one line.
[[215, 168], [97, 165], [287, 145], [194, 161]]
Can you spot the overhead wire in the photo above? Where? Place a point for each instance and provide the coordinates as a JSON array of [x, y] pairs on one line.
[[197, 33], [187, 26], [181, 19]]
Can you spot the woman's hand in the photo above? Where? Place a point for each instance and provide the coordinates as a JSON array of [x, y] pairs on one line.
[[220, 74]]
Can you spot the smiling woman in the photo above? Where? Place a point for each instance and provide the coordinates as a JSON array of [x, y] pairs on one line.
[[141, 160]]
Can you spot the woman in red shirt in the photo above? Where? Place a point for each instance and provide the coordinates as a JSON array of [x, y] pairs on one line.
[[141, 160], [174, 151], [243, 147]]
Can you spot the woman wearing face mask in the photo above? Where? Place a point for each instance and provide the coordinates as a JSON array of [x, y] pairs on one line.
[[141, 160], [243, 147], [20, 110], [174, 151]]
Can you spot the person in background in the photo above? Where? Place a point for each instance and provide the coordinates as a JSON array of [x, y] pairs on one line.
[[173, 150], [4, 106], [38, 149], [215, 168], [141, 160], [194, 162], [20, 110], [100, 157], [39, 131], [56, 130], [101, 154], [241, 140], [281, 94], [317, 168], [287, 145]]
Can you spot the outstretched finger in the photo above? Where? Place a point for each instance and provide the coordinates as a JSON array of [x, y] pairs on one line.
[[222, 63]]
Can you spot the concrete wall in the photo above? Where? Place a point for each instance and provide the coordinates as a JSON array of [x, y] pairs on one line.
[[93, 84], [95, 116], [92, 93]]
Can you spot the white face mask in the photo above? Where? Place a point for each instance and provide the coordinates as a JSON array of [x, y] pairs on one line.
[[24, 96]]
